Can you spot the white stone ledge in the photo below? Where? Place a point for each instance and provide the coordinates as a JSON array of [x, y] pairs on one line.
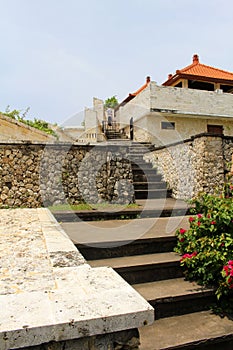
[[81, 301]]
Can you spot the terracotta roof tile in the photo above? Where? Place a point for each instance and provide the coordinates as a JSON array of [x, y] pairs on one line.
[[133, 94], [201, 70], [207, 71], [141, 88]]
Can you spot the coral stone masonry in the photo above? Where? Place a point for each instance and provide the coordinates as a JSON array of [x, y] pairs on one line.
[[37, 174], [50, 298]]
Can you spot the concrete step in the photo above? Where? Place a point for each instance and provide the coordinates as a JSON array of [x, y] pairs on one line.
[[151, 185], [114, 238], [176, 296], [147, 171], [144, 268], [148, 176], [142, 145], [142, 165], [152, 193], [104, 250], [198, 330], [137, 157]]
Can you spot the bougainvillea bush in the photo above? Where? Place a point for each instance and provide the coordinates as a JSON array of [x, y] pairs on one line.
[[206, 248]]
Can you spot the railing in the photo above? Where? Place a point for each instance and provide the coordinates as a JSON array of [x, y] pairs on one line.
[[109, 125]]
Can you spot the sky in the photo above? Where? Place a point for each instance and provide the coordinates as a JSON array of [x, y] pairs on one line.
[[56, 55]]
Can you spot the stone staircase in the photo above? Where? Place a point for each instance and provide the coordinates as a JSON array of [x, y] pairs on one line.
[[147, 182], [113, 134], [149, 264]]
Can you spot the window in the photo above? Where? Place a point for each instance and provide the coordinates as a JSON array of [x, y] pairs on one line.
[[168, 126], [215, 129]]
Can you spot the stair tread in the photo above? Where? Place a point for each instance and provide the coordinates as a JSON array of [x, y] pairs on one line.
[[169, 289], [137, 260], [152, 190], [148, 182], [189, 329], [99, 232]]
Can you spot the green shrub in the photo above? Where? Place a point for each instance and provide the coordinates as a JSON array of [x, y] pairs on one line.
[[36, 123], [207, 246]]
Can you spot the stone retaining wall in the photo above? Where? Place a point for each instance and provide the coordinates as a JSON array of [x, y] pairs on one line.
[[195, 165], [36, 174]]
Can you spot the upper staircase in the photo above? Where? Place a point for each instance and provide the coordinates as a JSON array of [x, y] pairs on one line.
[[148, 184]]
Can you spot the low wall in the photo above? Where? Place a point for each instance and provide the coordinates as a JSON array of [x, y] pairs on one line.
[[37, 174], [11, 129], [194, 165], [51, 299]]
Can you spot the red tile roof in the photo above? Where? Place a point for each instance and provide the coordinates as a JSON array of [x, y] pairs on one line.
[[133, 94], [141, 88], [202, 71]]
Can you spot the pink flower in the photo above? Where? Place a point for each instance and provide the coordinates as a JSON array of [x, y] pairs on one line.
[[226, 270], [199, 216], [191, 219], [230, 281], [213, 222], [230, 262], [208, 216], [188, 256], [198, 223], [182, 231]]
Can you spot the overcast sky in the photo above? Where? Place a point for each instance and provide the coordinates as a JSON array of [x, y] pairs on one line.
[[56, 55]]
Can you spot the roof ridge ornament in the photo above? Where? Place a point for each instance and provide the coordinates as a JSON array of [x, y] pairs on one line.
[[195, 59]]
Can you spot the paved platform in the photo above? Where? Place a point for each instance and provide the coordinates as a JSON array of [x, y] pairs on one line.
[[48, 292]]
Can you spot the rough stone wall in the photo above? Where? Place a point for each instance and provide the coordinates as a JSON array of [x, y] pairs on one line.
[[175, 165], [124, 340], [228, 152], [193, 166], [33, 175]]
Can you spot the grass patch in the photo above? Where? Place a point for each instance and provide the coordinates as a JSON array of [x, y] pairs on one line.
[[98, 206]]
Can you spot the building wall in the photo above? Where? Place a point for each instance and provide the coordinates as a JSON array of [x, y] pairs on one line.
[[98, 106], [149, 128], [73, 132], [191, 110], [90, 119], [136, 108]]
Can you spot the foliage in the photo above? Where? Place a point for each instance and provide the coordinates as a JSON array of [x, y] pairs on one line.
[[111, 102], [36, 123], [207, 246]]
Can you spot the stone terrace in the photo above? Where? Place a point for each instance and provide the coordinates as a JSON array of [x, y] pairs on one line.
[[48, 292]]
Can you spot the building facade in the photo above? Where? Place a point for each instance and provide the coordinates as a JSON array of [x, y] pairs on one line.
[[197, 99]]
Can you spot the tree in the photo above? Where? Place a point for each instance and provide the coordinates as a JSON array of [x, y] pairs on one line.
[[111, 102]]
